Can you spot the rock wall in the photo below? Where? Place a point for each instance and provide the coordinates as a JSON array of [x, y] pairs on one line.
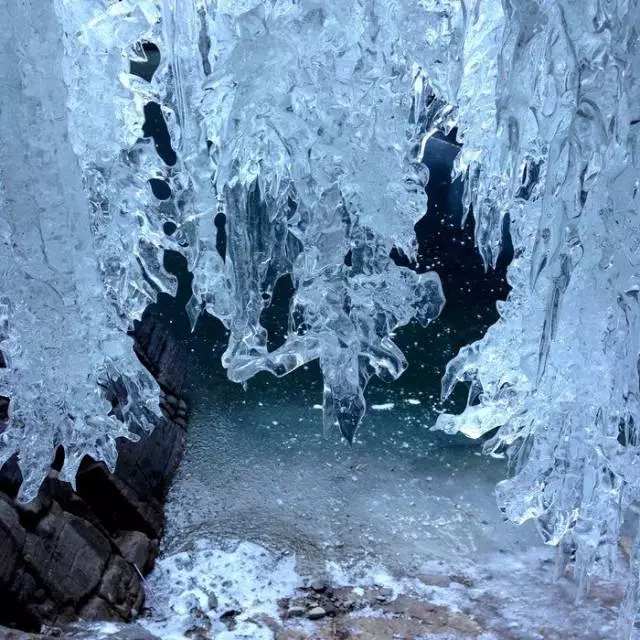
[[82, 554]]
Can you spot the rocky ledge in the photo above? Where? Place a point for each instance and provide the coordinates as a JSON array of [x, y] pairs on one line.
[[82, 554]]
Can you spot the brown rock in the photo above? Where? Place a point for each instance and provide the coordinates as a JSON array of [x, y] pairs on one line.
[[121, 587], [13, 634], [68, 554], [626, 545], [98, 609], [12, 538], [465, 581], [291, 634], [265, 620], [137, 549], [435, 618]]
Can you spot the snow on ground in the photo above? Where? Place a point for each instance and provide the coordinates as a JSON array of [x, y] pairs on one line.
[[237, 590], [197, 586]]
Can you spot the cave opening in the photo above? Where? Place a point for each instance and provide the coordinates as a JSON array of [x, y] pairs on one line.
[[251, 448]]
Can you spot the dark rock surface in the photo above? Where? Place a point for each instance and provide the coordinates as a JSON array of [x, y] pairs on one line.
[[129, 632], [82, 554], [14, 634]]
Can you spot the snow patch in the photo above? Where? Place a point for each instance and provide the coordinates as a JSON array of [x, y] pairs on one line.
[[196, 587], [387, 406]]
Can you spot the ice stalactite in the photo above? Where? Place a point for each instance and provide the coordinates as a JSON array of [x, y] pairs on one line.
[[548, 107], [61, 341], [298, 129], [313, 162], [292, 126]]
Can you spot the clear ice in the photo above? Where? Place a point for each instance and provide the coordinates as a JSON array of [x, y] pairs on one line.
[[299, 126], [548, 109], [63, 345]]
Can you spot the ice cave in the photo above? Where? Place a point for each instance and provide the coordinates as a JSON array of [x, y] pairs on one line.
[[320, 319]]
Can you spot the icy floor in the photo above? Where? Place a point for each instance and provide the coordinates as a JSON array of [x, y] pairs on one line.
[[264, 503]]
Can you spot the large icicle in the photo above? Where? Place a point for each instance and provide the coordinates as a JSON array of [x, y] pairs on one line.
[[60, 340], [293, 122], [548, 107], [314, 164]]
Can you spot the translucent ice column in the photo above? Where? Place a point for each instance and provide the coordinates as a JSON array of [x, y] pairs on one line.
[[548, 106], [60, 340], [297, 124], [296, 127]]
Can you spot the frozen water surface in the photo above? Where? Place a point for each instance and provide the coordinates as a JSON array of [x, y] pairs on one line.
[[264, 503], [258, 465]]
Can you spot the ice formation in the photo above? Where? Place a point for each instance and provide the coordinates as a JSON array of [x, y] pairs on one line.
[[291, 123], [298, 126], [62, 344], [548, 103]]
